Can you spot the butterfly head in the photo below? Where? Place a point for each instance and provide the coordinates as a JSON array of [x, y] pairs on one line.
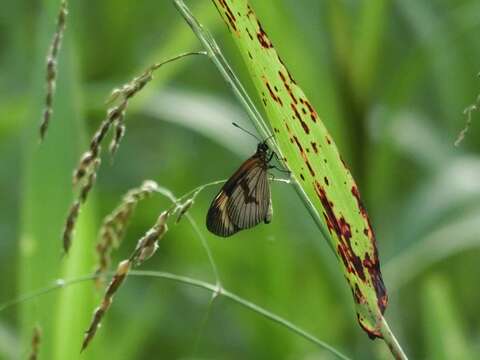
[[262, 148]]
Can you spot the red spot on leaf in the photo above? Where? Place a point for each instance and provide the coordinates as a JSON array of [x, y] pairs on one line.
[[358, 295], [299, 118], [341, 228], [287, 87], [288, 128], [292, 80], [272, 94], [249, 34], [263, 37], [304, 156], [229, 14], [373, 267], [313, 113]]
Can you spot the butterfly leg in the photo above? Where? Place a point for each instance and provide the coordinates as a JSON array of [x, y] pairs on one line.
[[281, 170]]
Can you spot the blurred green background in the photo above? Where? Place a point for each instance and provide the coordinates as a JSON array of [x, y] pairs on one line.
[[390, 79]]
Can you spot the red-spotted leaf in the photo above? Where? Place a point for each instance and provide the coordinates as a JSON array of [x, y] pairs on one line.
[[313, 158]]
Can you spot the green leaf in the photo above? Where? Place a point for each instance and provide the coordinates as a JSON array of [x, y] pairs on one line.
[[444, 335], [47, 193], [311, 155]]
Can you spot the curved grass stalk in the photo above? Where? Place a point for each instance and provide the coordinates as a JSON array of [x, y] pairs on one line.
[[213, 288]]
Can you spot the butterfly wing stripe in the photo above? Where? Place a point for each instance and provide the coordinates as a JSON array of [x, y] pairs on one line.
[[240, 203], [237, 203], [218, 221]]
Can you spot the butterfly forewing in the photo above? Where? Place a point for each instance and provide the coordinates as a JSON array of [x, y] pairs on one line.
[[244, 200]]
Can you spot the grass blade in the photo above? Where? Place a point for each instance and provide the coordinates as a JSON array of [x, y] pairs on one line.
[[46, 194]]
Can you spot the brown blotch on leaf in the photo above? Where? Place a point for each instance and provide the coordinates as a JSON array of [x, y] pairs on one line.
[[313, 113], [229, 14], [341, 228], [373, 267], [361, 207], [300, 147], [288, 128], [305, 127], [304, 156], [358, 295], [292, 80], [263, 37], [287, 87], [272, 94]]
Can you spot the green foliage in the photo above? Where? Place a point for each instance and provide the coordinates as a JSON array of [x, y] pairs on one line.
[[389, 78]]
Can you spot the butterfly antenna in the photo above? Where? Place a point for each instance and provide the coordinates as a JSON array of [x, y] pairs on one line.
[[245, 130]]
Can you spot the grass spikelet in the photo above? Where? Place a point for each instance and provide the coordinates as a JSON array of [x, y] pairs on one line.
[[74, 211], [183, 209], [51, 68], [112, 288], [468, 113], [70, 225], [148, 244], [114, 226], [118, 135], [36, 339]]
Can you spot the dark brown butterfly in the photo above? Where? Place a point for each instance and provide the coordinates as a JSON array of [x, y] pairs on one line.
[[244, 200]]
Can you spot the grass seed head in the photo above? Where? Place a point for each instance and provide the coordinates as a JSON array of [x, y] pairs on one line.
[[51, 68]]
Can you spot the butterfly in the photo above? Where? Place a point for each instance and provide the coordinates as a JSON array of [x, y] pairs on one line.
[[244, 200]]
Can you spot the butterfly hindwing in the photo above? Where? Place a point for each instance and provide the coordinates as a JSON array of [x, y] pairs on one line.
[[218, 221]]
